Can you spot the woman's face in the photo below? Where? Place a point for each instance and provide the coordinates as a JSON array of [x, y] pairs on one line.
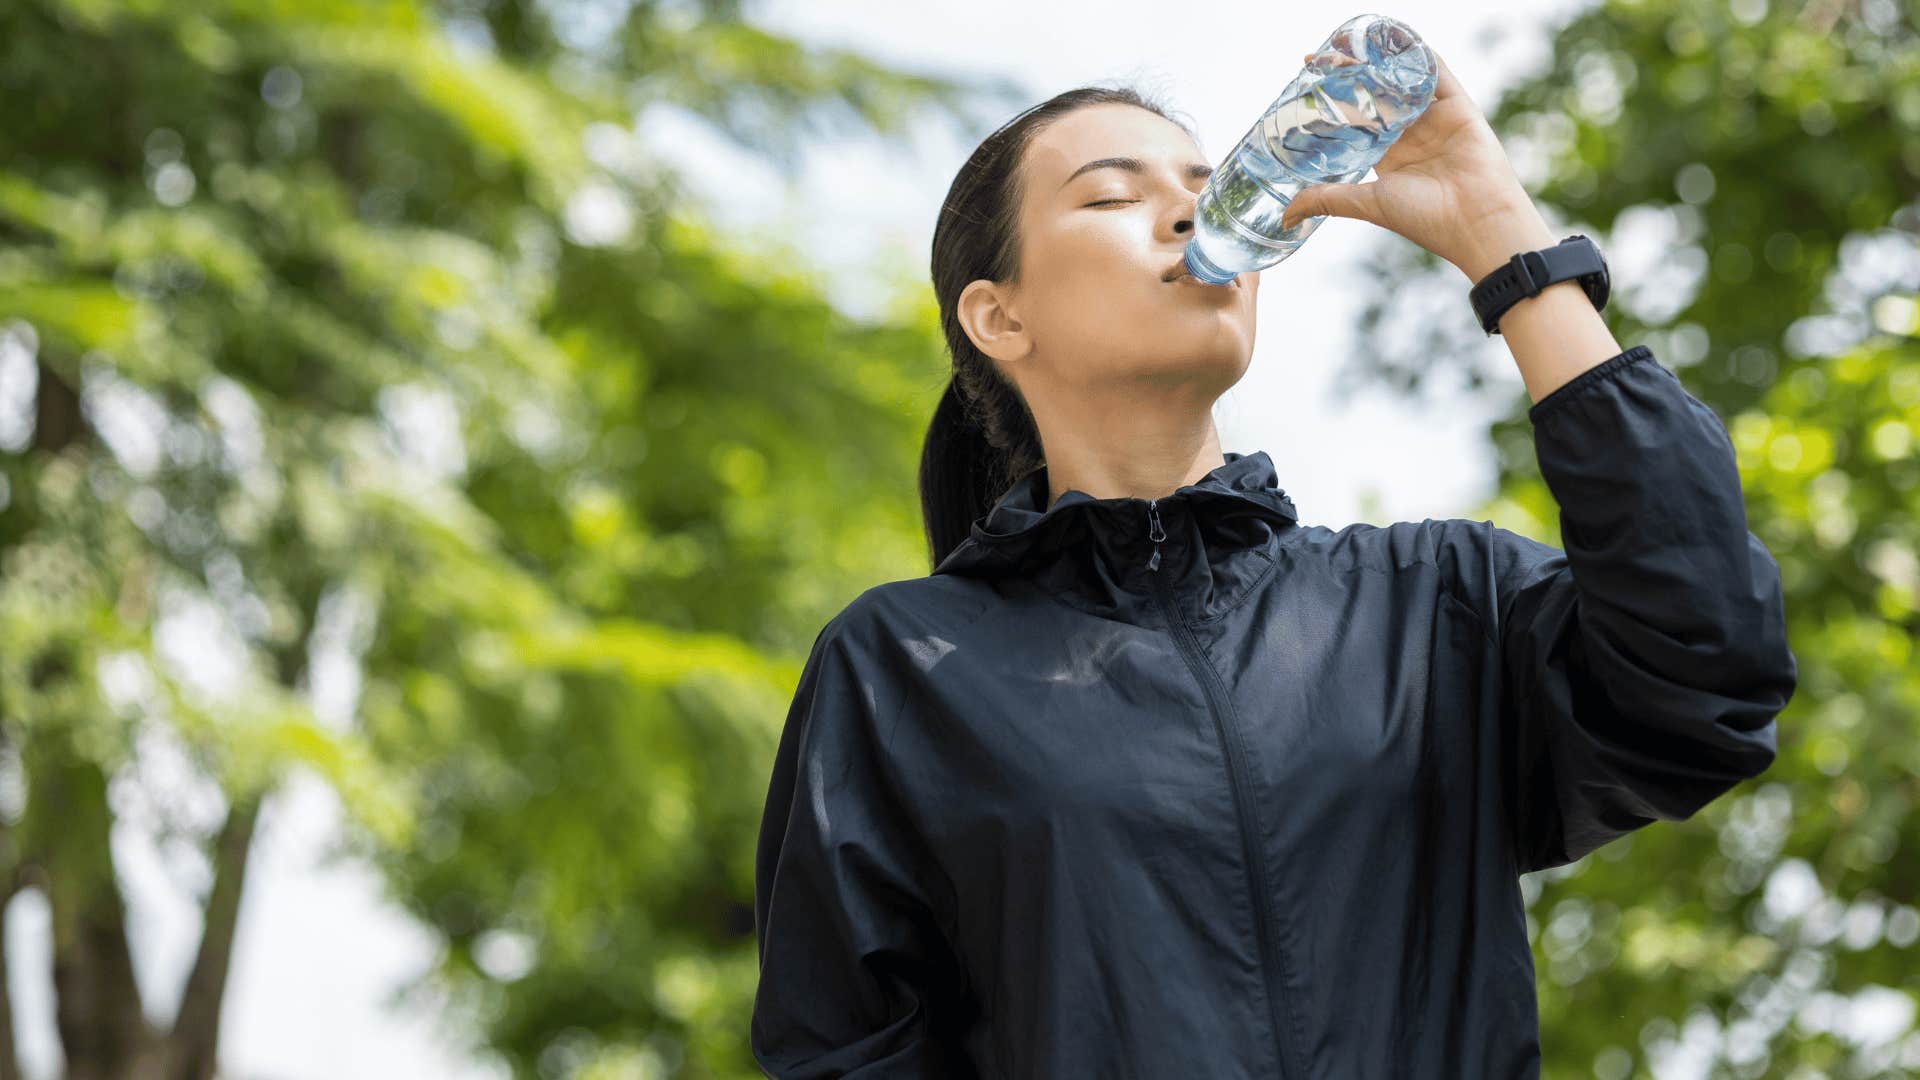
[[1093, 306]]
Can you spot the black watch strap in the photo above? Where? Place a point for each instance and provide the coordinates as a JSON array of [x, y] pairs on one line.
[[1528, 272]]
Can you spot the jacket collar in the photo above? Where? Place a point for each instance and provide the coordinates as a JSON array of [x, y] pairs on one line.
[[1218, 520]]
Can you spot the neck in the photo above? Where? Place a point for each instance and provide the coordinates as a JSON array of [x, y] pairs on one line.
[[1125, 464]]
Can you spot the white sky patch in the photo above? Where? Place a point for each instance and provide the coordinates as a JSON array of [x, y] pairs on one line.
[[1792, 889], [422, 427], [1869, 265], [130, 420], [1652, 257], [173, 184], [19, 383], [200, 647], [237, 419], [598, 214], [505, 955], [342, 629]]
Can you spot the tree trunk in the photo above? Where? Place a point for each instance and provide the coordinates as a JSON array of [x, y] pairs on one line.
[[103, 1029], [195, 1041]]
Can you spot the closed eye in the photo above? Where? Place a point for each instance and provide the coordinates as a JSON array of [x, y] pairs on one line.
[[1104, 202]]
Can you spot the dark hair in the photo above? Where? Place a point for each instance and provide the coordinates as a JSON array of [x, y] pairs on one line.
[[983, 437]]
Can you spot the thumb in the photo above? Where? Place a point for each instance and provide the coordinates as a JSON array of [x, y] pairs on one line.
[[1335, 200]]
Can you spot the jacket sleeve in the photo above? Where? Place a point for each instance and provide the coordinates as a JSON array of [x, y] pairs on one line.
[[856, 974], [1643, 665]]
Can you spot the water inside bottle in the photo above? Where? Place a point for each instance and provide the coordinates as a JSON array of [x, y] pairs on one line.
[[1330, 125]]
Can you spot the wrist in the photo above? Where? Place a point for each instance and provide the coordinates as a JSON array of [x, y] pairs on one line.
[[1498, 238]]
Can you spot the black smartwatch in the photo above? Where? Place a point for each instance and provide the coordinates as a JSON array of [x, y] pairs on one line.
[[1530, 271]]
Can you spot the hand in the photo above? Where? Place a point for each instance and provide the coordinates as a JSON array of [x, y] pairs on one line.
[[1445, 184]]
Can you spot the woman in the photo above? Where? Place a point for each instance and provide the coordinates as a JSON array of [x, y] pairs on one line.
[[1149, 779]]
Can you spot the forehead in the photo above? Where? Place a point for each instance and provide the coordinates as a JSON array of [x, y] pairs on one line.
[[1106, 130]]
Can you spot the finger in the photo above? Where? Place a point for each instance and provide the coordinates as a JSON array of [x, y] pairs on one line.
[[1333, 200], [1448, 86], [1333, 57]]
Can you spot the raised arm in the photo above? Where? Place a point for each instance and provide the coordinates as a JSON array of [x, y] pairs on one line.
[[1643, 665]]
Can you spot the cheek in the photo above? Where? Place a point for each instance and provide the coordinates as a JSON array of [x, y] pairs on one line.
[[1096, 286], [1109, 239]]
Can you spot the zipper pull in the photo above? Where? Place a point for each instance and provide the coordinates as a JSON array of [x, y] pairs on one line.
[[1154, 532]]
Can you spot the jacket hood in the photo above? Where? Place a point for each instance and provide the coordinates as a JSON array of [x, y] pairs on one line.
[[1102, 548]]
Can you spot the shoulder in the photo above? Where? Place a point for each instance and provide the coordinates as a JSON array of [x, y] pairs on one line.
[[913, 615], [877, 650], [1395, 546], [1487, 566], [937, 598], [1476, 560]]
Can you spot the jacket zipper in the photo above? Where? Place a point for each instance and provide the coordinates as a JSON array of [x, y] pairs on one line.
[[1191, 651]]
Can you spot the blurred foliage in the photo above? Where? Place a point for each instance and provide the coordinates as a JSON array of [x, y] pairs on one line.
[[1752, 170], [372, 401]]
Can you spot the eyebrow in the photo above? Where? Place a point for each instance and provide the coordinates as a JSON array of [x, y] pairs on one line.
[[1133, 165]]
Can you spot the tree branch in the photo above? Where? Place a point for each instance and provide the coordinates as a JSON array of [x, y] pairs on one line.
[[194, 1044], [195, 1041]]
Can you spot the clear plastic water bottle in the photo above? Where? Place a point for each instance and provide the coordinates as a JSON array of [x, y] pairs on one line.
[[1371, 78]]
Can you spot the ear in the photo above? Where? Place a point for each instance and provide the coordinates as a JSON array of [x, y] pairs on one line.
[[995, 329]]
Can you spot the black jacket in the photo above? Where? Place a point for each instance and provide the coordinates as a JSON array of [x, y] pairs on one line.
[[1184, 788]]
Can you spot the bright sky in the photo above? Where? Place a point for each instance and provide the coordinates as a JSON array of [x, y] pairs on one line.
[[319, 953]]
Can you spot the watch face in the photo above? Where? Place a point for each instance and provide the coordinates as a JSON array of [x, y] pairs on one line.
[[1601, 282]]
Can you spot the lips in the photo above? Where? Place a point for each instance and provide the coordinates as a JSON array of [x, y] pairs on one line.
[[1179, 270], [1176, 279]]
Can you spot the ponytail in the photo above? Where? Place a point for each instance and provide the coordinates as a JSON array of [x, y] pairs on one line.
[[963, 471]]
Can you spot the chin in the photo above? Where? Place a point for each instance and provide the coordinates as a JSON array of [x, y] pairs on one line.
[[1231, 364], [1179, 361]]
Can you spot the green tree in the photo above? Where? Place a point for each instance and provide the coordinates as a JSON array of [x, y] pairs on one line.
[[366, 338], [1771, 155]]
